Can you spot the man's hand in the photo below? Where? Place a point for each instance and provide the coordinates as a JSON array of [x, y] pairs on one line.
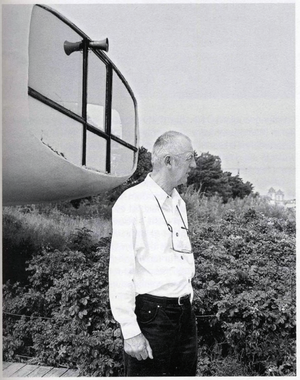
[[138, 347]]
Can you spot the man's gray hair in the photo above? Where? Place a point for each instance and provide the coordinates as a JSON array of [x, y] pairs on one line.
[[170, 142]]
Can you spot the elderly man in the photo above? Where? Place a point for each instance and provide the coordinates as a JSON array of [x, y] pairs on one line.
[[152, 265]]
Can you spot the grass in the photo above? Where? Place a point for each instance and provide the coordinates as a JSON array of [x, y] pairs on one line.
[[55, 227]]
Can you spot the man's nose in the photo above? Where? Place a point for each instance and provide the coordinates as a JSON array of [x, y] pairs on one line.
[[193, 163]]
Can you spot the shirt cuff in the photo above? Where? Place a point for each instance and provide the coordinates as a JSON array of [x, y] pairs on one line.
[[130, 330]]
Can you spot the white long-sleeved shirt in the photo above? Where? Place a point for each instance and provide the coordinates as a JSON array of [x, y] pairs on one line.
[[141, 258]]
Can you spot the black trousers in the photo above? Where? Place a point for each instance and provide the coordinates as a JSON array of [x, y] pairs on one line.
[[171, 330]]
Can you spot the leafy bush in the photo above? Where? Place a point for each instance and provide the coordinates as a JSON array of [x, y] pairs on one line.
[[245, 279], [244, 293], [69, 320]]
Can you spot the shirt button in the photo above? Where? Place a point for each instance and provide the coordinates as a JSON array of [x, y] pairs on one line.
[[189, 280], [181, 257], [176, 233]]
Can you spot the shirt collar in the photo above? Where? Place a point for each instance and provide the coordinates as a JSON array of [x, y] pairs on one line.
[[159, 193]]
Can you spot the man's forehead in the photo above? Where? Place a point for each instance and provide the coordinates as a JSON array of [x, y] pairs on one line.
[[183, 145], [187, 145]]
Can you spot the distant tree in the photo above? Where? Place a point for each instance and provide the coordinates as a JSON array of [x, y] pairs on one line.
[[209, 178], [238, 187]]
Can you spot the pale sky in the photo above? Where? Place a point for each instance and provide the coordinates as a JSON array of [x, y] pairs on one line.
[[224, 74]]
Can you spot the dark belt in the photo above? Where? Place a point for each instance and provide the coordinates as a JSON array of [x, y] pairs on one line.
[[165, 300]]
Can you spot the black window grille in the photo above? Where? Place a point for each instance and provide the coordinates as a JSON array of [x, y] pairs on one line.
[[112, 74]]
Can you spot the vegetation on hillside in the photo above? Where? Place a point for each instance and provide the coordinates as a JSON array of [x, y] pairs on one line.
[[244, 294]]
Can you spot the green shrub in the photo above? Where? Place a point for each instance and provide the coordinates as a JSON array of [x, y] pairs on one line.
[[245, 297], [245, 279], [69, 320]]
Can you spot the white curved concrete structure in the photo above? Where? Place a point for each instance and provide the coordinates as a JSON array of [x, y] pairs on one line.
[[33, 169]]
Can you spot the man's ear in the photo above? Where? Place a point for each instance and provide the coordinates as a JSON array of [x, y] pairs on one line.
[[167, 160]]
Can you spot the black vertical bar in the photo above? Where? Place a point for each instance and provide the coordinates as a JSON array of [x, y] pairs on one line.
[[84, 98], [108, 106]]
